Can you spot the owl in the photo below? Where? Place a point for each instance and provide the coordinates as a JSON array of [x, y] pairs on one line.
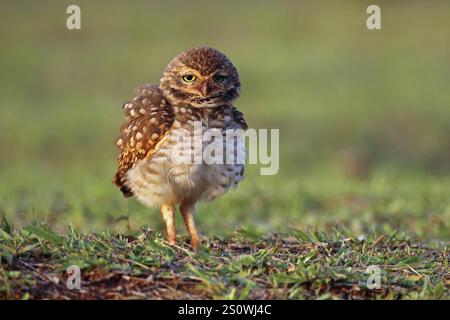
[[195, 94]]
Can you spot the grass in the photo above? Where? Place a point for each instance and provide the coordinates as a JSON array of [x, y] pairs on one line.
[[244, 265], [364, 135]]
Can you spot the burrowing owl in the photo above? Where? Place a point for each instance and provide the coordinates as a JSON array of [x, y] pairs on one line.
[[198, 86]]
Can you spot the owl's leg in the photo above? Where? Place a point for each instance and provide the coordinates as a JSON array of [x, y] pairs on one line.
[[187, 211], [168, 215]]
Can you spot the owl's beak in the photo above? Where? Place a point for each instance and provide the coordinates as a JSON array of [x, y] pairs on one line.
[[205, 89]]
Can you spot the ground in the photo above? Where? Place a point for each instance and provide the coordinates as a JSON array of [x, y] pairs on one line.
[[242, 266]]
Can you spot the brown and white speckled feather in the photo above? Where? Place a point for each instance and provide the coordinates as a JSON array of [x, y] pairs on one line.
[[159, 178], [148, 117]]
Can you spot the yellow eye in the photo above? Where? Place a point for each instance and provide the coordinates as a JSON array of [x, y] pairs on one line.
[[189, 78]]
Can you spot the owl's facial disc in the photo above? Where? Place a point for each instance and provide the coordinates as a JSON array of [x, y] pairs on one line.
[[204, 90], [201, 77]]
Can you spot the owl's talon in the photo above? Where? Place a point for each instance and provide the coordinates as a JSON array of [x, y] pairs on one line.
[[195, 242], [198, 241]]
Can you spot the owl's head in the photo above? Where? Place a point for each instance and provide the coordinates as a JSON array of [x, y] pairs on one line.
[[200, 77]]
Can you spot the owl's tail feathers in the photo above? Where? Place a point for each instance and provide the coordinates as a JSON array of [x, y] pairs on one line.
[[119, 181], [126, 192]]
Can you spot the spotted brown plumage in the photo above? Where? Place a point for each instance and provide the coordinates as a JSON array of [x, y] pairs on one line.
[[198, 86], [148, 117]]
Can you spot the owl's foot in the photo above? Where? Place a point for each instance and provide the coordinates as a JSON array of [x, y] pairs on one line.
[[172, 240], [168, 215], [187, 211], [195, 241], [200, 240]]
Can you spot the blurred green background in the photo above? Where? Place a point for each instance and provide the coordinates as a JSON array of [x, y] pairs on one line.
[[364, 116]]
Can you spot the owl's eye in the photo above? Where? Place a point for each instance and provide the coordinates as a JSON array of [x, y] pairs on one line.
[[219, 78], [189, 78]]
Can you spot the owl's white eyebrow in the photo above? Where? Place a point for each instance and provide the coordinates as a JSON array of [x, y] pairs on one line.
[[221, 72], [189, 71]]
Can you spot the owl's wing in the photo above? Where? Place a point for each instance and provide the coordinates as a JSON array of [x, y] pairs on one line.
[[147, 118], [239, 118]]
